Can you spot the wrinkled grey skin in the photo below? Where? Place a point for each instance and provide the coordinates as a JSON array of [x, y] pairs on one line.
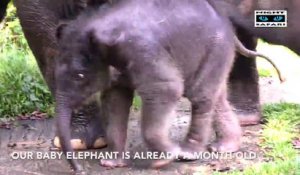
[[164, 50], [39, 20], [243, 82]]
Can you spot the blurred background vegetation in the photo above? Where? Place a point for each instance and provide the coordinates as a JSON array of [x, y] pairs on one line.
[[22, 87]]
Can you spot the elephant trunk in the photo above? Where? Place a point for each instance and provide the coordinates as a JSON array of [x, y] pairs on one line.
[[64, 113]]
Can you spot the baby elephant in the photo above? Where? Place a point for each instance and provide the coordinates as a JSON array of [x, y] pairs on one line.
[[164, 49]]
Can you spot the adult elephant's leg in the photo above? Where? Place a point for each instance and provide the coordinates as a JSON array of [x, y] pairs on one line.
[[39, 20], [39, 24], [244, 86]]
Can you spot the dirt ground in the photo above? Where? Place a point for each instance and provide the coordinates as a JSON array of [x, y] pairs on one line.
[[34, 137]]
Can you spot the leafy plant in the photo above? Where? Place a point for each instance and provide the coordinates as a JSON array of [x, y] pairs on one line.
[[22, 87], [264, 73]]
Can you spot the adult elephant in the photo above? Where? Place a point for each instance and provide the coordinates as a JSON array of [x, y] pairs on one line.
[[244, 87]]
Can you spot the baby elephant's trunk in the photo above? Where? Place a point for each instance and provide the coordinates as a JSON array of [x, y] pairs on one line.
[[63, 113], [249, 53]]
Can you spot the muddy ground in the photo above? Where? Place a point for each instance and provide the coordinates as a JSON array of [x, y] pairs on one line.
[[35, 136]]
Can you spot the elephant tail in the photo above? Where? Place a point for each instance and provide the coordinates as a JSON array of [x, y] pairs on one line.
[[252, 54], [3, 6]]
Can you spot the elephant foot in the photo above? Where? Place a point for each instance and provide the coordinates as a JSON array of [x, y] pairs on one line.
[[224, 146], [173, 155], [86, 130], [249, 119], [228, 131], [190, 150], [115, 163], [157, 164], [81, 172], [77, 169]]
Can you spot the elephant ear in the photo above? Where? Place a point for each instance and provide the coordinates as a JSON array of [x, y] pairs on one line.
[[60, 30]]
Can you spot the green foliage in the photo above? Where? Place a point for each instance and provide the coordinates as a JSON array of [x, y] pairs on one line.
[[12, 38], [283, 111], [22, 87], [137, 102], [278, 167], [282, 122], [264, 73]]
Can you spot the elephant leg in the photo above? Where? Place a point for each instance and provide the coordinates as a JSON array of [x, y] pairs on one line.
[[243, 85], [39, 25], [116, 104], [39, 21], [208, 92], [227, 127]]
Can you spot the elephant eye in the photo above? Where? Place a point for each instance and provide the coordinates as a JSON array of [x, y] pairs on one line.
[[78, 76], [81, 75]]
